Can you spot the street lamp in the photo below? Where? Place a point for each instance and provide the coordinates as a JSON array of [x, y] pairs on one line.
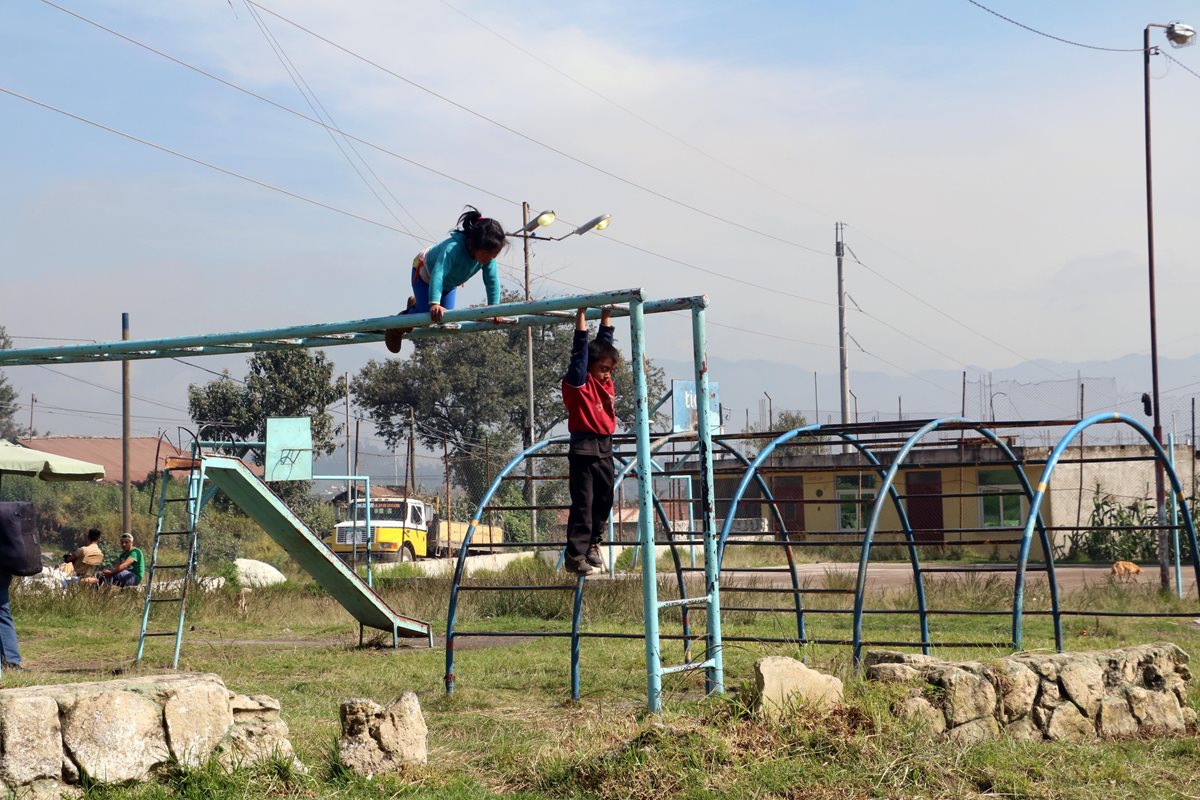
[[526, 232], [1179, 35]]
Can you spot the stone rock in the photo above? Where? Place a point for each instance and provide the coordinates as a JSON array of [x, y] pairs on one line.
[[258, 732], [377, 740], [892, 673], [923, 711], [50, 579], [1083, 681], [1189, 716], [977, 730], [115, 736], [207, 585], [968, 696], [197, 718], [1068, 724], [874, 657], [256, 574], [1024, 730], [1158, 712], [1018, 690], [46, 789], [1049, 695], [783, 682], [1116, 719], [31, 740]]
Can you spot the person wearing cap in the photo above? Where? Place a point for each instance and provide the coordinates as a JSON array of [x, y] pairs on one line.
[[129, 567]]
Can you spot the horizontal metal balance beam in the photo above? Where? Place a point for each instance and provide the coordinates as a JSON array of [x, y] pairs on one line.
[[516, 316]]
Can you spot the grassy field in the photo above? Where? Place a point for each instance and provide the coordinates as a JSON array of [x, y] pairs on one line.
[[510, 730]]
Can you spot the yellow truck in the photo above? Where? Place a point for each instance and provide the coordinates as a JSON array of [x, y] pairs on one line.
[[405, 530]]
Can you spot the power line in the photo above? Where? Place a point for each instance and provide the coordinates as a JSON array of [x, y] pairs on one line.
[[314, 103], [111, 390], [540, 143], [1174, 60], [275, 104], [941, 311], [649, 123], [201, 162], [1052, 36]]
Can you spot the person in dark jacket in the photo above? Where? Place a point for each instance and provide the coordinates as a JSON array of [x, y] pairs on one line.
[[588, 394]]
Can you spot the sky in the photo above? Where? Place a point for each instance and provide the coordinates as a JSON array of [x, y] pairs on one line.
[[991, 180]]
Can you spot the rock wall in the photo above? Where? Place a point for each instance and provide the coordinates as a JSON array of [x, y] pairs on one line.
[[1060, 696], [126, 730]]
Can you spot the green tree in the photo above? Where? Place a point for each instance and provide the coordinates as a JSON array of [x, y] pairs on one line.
[[784, 421], [279, 383], [9, 428]]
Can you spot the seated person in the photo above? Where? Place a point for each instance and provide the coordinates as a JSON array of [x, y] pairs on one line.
[[128, 569], [86, 558]]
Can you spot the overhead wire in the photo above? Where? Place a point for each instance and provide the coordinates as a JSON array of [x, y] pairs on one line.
[[332, 127], [203, 163], [545, 145], [317, 108], [1072, 42]]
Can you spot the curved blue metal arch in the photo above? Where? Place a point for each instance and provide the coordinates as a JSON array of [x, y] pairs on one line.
[[1044, 482], [889, 483], [752, 468], [452, 613]]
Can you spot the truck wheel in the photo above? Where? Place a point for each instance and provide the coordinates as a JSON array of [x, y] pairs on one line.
[[407, 554]]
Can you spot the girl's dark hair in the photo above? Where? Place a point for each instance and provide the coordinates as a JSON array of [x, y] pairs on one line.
[[598, 350], [481, 233]]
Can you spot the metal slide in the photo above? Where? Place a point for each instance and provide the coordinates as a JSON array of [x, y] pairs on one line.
[[254, 497]]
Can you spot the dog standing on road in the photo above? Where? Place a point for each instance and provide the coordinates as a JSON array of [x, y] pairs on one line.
[[1126, 570]]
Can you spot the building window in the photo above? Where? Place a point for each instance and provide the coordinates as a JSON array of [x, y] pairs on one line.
[[854, 494], [1002, 502]]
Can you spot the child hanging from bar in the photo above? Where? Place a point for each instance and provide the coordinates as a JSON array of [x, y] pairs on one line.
[[588, 394], [438, 271]]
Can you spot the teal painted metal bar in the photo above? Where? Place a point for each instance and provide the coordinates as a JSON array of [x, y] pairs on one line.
[[637, 338], [714, 675], [1175, 521], [517, 316]]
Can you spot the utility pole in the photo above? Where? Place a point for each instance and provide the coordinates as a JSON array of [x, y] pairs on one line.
[[32, 403], [126, 486], [349, 483], [843, 368], [530, 423]]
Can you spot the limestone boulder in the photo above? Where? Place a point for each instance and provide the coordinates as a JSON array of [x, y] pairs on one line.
[[967, 695], [892, 673], [975, 731], [1083, 682], [782, 683], [1018, 690], [31, 740], [377, 740], [258, 732], [1024, 730], [1157, 712], [922, 711], [197, 718], [1068, 724], [115, 736], [256, 574], [1116, 718]]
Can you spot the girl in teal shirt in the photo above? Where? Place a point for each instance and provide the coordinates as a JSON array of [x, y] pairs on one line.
[[439, 270]]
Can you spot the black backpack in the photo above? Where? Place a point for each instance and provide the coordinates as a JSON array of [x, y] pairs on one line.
[[20, 550]]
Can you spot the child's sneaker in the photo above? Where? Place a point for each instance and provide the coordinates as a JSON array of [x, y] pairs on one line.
[[579, 566], [593, 556], [394, 338]]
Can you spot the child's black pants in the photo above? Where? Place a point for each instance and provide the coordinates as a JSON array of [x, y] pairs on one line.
[[591, 485]]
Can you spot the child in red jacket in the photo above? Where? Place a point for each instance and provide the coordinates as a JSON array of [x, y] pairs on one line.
[[588, 394]]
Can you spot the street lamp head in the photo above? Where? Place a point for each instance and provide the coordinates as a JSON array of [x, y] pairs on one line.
[[1180, 34], [540, 221], [599, 223]]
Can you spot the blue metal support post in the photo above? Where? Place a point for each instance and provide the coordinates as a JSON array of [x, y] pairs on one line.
[[637, 336], [715, 674]]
